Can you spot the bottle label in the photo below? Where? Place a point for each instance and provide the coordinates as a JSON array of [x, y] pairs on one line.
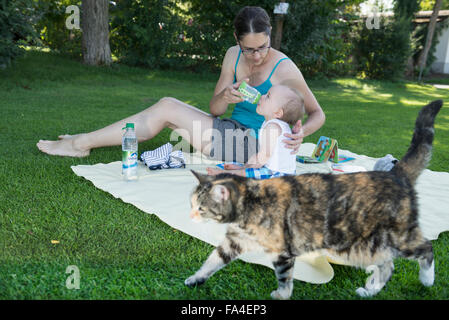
[[250, 94], [129, 159]]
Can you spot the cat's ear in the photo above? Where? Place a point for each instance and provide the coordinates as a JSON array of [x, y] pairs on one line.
[[202, 178], [219, 193]]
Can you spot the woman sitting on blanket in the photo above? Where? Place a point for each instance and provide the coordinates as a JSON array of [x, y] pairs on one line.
[[281, 106], [253, 60]]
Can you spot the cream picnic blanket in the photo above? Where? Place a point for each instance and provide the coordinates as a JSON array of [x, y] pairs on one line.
[[166, 193]]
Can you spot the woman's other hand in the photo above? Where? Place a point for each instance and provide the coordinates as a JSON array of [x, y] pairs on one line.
[[296, 137]]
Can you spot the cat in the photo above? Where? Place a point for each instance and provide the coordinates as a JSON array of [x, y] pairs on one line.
[[366, 218]]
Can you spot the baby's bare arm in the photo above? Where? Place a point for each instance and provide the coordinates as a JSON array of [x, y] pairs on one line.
[[257, 161], [216, 171], [268, 139]]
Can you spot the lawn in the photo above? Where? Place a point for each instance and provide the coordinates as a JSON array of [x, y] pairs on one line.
[[124, 253]]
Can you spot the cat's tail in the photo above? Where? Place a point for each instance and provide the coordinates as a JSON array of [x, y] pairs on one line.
[[420, 151]]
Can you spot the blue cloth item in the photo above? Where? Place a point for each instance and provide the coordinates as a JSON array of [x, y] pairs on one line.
[[245, 112], [263, 173], [257, 173], [163, 158]]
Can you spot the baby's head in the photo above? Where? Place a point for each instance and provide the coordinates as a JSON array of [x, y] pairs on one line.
[[283, 103]]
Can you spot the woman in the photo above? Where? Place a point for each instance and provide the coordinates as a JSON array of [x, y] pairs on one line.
[[252, 60]]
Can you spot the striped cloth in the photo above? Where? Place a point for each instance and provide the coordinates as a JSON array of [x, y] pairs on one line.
[[257, 173], [163, 158]]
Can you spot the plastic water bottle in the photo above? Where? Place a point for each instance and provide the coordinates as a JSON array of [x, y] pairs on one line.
[[129, 153], [250, 94]]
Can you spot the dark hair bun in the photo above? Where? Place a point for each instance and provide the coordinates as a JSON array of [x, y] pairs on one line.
[[251, 20]]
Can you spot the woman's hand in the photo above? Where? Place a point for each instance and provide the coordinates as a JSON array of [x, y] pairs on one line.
[[230, 93], [296, 137]]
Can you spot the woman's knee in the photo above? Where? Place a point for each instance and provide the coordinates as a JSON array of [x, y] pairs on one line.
[[163, 110], [164, 105], [168, 100], [159, 106]]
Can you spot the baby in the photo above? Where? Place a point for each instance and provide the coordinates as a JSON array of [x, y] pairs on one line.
[[281, 106]]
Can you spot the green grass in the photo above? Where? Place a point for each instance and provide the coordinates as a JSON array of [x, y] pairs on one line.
[[124, 253]]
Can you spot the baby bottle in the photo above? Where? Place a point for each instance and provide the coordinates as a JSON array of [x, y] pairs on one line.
[[250, 94]]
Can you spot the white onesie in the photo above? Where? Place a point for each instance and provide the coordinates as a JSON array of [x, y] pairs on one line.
[[281, 159]]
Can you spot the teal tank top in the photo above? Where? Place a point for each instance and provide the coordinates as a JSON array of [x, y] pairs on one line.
[[245, 112]]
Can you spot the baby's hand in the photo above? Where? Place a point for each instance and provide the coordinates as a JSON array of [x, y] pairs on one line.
[[213, 171], [231, 166]]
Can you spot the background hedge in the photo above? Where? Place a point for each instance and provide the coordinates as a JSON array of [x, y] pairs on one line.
[[324, 38]]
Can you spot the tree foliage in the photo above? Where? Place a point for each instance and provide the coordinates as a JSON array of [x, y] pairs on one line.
[[383, 53], [316, 37], [146, 32], [52, 27], [16, 28], [427, 5]]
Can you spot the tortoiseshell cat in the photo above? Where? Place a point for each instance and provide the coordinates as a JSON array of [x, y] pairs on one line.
[[367, 218]]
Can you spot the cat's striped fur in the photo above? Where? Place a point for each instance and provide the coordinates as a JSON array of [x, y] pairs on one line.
[[366, 218]]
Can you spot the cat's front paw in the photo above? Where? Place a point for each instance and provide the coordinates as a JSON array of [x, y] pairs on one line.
[[194, 281], [281, 294], [364, 293]]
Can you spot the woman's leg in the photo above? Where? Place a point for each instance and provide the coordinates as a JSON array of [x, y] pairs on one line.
[[189, 122]]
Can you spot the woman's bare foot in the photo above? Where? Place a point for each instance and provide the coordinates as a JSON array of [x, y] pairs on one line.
[[67, 145]]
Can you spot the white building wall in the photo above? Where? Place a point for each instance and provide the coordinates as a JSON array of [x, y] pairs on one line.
[[368, 6], [441, 63]]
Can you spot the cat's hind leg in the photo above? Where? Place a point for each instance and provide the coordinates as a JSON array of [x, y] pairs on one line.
[[226, 252], [377, 280], [423, 253], [426, 264], [283, 268], [426, 272]]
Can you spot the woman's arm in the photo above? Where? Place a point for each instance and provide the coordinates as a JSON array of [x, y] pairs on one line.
[[315, 115], [289, 75], [225, 92]]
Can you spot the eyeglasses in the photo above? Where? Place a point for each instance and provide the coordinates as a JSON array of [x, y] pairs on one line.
[[253, 51]]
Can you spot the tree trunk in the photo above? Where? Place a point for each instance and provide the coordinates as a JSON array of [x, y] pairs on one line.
[[95, 36], [278, 33], [430, 31], [279, 18]]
